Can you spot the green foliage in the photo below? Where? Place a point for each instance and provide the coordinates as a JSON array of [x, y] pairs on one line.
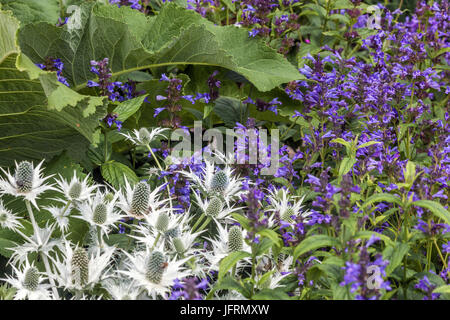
[[173, 37], [39, 116]]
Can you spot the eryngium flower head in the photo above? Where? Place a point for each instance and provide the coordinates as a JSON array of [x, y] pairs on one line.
[[289, 207], [139, 202], [219, 182], [76, 189], [214, 207], [211, 182], [143, 137], [151, 271], [27, 182], [172, 233], [162, 222], [156, 264], [222, 244], [76, 269], [178, 245], [80, 267], [287, 215], [8, 219], [31, 279], [24, 176], [100, 214], [141, 197], [27, 282], [235, 241]]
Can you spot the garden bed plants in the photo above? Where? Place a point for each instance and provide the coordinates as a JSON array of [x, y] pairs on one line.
[[208, 149]]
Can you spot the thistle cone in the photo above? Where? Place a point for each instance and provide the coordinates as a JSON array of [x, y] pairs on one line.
[[219, 182], [80, 266], [155, 267], [235, 240], [141, 197], [75, 190], [214, 207], [162, 222], [31, 279], [24, 176], [100, 214]]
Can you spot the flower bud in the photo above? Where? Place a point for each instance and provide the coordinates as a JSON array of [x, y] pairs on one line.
[[178, 245]]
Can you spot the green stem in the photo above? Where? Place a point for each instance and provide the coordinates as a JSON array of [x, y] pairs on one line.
[[203, 226], [289, 128], [429, 249], [33, 221], [99, 235], [199, 220], [156, 241], [440, 254], [66, 207], [253, 269], [405, 284]]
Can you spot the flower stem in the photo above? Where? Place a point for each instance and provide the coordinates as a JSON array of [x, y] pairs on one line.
[[204, 225], [156, 240], [100, 238], [440, 254], [199, 220]]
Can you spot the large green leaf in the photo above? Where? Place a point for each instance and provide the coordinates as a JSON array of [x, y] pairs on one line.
[[39, 116], [133, 42], [27, 11]]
